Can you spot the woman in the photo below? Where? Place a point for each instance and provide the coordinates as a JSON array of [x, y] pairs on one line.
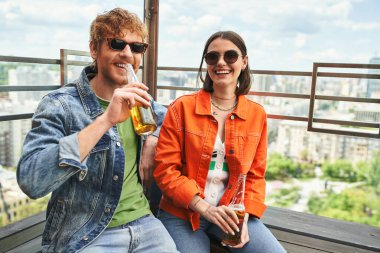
[[207, 139]]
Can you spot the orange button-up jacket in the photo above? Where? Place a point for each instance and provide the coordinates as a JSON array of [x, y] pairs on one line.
[[185, 146]]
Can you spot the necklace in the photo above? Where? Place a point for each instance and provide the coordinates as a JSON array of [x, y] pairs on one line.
[[221, 108], [223, 98]]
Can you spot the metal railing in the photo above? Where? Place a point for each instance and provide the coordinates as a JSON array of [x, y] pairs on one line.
[[64, 62], [314, 97]]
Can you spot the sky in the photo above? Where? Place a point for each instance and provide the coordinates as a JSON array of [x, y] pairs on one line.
[[280, 35]]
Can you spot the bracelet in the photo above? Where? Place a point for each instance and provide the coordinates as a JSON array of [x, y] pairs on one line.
[[197, 202]]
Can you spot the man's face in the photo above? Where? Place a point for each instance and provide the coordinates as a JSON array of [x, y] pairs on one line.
[[111, 63]]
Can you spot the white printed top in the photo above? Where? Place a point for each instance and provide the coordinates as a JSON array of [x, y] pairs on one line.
[[218, 174]]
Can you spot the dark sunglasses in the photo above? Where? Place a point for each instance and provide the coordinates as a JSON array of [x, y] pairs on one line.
[[119, 45], [229, 57]]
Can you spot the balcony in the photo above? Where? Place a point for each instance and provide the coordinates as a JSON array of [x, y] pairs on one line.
[[297, 231]]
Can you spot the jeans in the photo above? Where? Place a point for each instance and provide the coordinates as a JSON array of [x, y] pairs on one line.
[[261, 240], [144, 235]]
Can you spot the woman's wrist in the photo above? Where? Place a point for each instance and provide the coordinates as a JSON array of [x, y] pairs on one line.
[[199, 205]]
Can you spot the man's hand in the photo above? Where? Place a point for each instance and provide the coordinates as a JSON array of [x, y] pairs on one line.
[[147, 163]]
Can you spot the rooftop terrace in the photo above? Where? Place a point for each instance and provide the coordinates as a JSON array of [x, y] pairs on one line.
[[297, 231]]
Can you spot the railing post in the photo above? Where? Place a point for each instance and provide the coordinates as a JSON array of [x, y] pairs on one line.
[[63, 65], [149, 76]]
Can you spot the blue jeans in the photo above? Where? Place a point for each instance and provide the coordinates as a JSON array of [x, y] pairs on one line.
[[144, 235], [261, 240]]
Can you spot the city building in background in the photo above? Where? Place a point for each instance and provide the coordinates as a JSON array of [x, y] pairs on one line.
[[373, 85]]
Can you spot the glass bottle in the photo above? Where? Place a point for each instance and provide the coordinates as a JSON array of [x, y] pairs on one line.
[[143, 118], [237, 205]]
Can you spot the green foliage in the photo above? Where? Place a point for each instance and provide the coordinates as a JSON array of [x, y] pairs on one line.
[[374, 172], [360, 205], [285, 197], [281, 167], [340, 170], [4, 72], [34, 207], [362, 170], [306, 170]]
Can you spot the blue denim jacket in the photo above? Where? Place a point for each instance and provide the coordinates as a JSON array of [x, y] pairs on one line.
[[84, 194]]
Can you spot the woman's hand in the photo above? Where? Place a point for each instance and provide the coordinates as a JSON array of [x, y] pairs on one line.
[[244, 234], [222, 216]]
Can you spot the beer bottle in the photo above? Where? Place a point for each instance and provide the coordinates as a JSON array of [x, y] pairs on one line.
[[143, 118], [237, 204]]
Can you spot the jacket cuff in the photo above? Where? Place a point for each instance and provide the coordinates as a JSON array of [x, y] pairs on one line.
[[255, 208], [188, 191], [69, 153]]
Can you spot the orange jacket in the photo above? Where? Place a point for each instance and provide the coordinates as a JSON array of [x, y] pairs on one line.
[[185, 146]]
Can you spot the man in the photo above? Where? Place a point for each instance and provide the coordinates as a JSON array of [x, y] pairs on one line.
[[83, 149]]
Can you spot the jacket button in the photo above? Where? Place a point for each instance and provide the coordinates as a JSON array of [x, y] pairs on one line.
[[82, 175], [118, 143], [115, 178], [232, 117], [85, 238], [107, 210], [231, 151]]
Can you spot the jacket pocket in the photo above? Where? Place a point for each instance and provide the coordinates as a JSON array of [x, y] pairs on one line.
[[96, 162], [247, 144]]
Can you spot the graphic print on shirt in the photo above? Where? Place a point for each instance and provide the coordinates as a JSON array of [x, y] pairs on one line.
[[218, 174]]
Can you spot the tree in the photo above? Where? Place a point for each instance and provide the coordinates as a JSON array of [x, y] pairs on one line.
[[4, 67], [280, 167], [357, 205], [305, 170], [341, 170], [374, 171]]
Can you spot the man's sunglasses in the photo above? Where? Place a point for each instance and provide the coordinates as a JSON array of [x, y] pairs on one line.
[[119, 45], [229, 57]]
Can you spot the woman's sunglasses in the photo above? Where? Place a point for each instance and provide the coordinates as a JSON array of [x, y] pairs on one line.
[[119, 45], [229, 57]]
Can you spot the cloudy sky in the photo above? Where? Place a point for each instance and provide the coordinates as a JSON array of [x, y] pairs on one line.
[[280, 35]]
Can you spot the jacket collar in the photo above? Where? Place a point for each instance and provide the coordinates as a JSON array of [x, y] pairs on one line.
[[89, 100], [203, 105]]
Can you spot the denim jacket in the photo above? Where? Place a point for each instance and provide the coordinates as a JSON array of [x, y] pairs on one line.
[[84, 194]]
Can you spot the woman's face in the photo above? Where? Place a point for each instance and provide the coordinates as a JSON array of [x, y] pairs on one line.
[[224, 73]]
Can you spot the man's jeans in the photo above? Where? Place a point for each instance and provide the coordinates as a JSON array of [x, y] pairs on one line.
[[261, 239], [144, 235]]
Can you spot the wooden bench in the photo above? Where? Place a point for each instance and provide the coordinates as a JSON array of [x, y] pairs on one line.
[[297, 232]]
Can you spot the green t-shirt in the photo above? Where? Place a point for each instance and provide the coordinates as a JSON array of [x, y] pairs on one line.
[[132, 204]]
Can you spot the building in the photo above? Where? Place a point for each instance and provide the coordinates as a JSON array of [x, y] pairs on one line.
[[373, 85], [11, 198], [294, 140]]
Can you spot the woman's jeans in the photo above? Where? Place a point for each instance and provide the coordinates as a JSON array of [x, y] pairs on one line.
[[261, 239], [144, 235]]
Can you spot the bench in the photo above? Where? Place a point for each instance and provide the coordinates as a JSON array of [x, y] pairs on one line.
[[297, 232]]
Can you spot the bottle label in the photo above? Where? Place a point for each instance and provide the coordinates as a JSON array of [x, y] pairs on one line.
[[147, 117]]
